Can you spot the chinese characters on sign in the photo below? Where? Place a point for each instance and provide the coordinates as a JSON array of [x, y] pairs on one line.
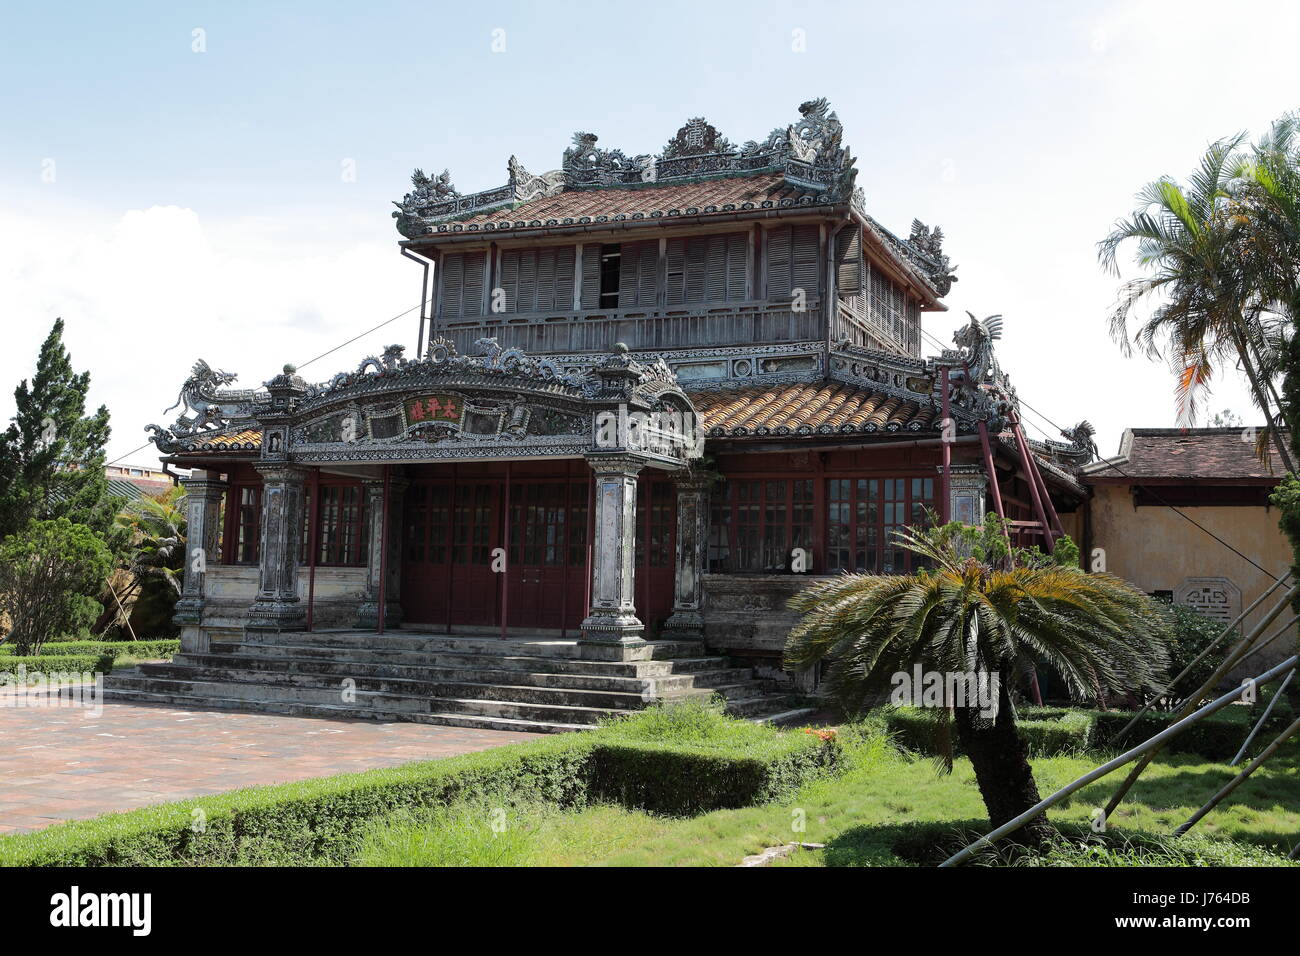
[[433, 408]]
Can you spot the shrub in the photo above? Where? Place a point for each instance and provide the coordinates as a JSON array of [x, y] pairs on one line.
[[1047, 731], [114, 649], [1216, 737], [47, 664], [47, 573]]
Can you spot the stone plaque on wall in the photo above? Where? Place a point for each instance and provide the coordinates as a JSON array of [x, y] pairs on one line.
[[1217, 598]]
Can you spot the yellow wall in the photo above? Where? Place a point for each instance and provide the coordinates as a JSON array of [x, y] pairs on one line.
[[1157, 550]]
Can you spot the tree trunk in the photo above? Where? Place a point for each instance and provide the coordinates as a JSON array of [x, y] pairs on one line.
[[1001, 761]]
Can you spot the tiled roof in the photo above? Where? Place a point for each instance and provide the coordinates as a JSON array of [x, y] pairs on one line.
[[814, 409], [1200, 453], [708, 197], [250, 439]]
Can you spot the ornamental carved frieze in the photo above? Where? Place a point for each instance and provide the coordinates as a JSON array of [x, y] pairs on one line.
[[496, 403]]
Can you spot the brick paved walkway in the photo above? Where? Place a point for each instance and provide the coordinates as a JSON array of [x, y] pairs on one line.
[[60, 763]]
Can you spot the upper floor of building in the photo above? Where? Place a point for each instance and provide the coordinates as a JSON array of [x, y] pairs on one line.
[[705, 244]]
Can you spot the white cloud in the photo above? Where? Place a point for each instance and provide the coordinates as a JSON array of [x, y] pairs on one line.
[[146, 292]]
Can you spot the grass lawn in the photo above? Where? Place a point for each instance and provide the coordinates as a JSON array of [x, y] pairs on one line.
[[860, 816]]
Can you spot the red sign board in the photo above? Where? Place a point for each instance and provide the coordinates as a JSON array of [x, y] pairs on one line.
[[433, 408]]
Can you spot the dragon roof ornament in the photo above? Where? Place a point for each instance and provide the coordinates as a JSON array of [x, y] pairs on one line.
[[976, 380]]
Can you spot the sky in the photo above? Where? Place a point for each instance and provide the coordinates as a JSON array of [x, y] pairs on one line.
[[183, 181]]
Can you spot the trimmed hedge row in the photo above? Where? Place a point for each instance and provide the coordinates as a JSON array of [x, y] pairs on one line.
[[319, 820], [684, 779], [1050, 731], [162, 647], [54, 664]]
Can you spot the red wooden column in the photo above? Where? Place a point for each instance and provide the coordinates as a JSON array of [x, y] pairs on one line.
[[313, 543], [505, 566], [945, 446], [383, 553]]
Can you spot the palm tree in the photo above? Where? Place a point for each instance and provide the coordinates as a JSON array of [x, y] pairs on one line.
[[1189, 241], [155, 562], [1266, 216], [981, 607]]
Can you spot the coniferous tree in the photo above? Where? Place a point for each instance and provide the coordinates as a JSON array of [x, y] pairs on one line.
[[52, 454]]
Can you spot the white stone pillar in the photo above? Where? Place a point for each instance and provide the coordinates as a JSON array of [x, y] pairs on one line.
[[612, 631]]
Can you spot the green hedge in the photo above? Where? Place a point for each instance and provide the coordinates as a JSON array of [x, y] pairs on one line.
[[686, 779], [54, 664], [1047, 731], [149, 649], [320, 820], [1059, 730]]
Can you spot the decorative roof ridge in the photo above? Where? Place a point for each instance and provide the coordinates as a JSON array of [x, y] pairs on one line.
[[809, 154]]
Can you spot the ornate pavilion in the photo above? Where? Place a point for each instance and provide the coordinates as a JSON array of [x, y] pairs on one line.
[[475, 485]]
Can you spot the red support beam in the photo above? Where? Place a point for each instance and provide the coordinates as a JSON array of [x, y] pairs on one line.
[[383, 554], [313, 543]]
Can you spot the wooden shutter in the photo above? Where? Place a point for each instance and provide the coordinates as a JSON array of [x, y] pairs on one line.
[[591, 275], [509, 279], [638, 270], [737, 266], [848, 260], [538, 280], [707, 268], [805, 263], [562, 289], [462, 284], [453, 278], [472, 288], [778, 262]]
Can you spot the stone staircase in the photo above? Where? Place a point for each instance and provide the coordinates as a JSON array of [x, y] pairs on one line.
[[523, 684]]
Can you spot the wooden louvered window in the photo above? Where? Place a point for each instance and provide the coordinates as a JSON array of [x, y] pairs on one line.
[[849, 266], [462, 284], [793, 261], [707, 269], [638, 274], [537, 280]]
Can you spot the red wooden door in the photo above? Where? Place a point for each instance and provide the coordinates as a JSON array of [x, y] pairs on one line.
[[474, 591], [656, 540], [547, 568]]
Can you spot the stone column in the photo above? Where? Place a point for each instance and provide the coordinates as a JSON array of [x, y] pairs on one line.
[[687, 620], [203, 492], [612, 630], [278, 607], [368, 610], [966, 487]]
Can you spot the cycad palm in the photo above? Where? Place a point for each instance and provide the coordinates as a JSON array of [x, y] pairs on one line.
[[1189, 241], [985, 610]]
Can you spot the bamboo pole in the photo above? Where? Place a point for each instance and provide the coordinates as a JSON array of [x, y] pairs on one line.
[[1262, 717], [1111, 765], [1240, 778], [1229, 662], [1196, 660]]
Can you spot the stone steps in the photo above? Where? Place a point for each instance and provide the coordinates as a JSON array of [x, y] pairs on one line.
[[515, 684]]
